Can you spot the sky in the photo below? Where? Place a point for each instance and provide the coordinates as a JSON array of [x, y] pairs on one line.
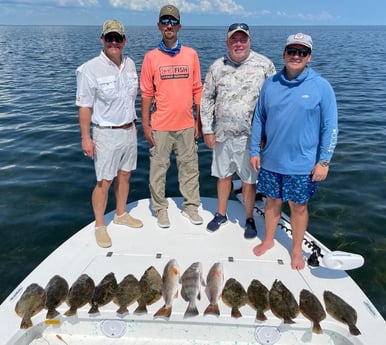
[[194, 12]]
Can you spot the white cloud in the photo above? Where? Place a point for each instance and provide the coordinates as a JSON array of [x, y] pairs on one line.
[[198, 6], [78, 2]]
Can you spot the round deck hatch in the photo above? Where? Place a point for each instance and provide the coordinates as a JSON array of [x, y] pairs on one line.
[[267, 335], [113, 328]]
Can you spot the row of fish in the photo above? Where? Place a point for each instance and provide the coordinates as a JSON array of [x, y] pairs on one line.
[[151, 287]]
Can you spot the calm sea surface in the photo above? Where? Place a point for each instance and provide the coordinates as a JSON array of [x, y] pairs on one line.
[[46, 182]]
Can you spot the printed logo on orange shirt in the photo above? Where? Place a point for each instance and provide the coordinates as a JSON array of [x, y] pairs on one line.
[[174, 72]]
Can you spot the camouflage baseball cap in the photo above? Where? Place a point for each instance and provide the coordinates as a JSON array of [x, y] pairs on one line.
[[169, 10], [113, 25]]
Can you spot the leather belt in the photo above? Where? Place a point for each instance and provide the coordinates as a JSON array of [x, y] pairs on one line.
[[125, 126]]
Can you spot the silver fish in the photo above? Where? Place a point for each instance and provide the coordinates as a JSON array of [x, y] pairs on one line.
[[103, 293], [128, 292], [312, 309], [341, 311], [56, 292], [191, 281], [29, 304], [170, 281], [234, 296], [258, 298], [213, 289], [80, 293], [282, 302], [151, 289]]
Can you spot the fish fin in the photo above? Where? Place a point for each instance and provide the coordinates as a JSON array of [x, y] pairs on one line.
[[191, 310], [317, 328], [235, 312], [260, 316], [354, 330], [94, 309], [288, 321], [163, 312], [141, 309], [26, 322], [122, 310], [52, 313], [70, 312], [212, 309]]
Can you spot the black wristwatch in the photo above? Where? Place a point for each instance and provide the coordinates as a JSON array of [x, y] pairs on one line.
[[324, 162]]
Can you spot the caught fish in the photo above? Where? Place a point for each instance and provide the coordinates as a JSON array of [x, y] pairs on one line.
[[80, 294], [258, 298], [151, 289], [128, 292], [312, 309], [56, 293], [341, 311], [191, 281], [170, 280], [282, 302], [234, 296], [103, 293], [213, 289], [30, 303]]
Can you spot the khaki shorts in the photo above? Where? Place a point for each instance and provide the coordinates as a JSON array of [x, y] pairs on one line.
[[232, 156], [116, 149]]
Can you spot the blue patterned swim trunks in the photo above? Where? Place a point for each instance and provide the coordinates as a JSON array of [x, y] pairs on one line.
[[296, 188]]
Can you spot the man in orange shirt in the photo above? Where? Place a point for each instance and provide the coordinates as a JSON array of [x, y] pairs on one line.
[[170, 83]]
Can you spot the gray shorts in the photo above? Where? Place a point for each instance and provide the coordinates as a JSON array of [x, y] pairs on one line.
[[116, 149], [232, 156]]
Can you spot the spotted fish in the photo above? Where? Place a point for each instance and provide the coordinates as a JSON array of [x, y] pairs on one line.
[[128, 292], [312, 309], [151, 289], [234, 296], [258, 298], [103, 293], [56, 292], [80, 293], [282, 302]]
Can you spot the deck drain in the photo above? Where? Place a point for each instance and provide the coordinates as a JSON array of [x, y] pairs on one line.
[[113, 328], [267, 335]]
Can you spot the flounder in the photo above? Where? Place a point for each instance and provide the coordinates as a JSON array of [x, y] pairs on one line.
[[234, 296], [56, 293]]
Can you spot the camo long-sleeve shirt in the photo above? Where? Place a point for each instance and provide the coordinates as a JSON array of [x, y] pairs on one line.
[[230, 94]]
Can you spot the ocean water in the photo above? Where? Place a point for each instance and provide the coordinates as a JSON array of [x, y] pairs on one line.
[[46, 182]]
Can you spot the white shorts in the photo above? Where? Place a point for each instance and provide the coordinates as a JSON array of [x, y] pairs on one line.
[[232, 156], [116, 149]]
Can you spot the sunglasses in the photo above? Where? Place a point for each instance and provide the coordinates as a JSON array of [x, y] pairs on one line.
[[113, 37], [302, 52], [241, 26], [168, 21]]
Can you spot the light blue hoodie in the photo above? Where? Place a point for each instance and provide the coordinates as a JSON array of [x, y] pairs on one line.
[[299, 120]]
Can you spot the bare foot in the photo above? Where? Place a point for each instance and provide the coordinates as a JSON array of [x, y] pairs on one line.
[[262, 248], [297, 261]]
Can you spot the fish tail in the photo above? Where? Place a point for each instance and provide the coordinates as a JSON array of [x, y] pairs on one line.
[[26, 322], [122, 310], [94, 309], [191, 310], [212, 309], [354, 330], [260, 316], [317, 328], [235, 312], [70, 312], [289, 321], [52, 313], [164, 312], [141, 309]]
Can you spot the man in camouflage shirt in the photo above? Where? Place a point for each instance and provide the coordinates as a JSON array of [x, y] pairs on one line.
[[232, 86]]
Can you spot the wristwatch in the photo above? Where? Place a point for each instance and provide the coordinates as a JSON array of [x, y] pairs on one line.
[[324, 162]]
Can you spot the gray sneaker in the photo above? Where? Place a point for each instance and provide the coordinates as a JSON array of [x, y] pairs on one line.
[[163, 218], [193, 216]]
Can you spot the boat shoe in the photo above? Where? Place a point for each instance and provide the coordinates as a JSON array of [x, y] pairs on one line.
[[102, 237], [163, 218], [250, 229], [126, 219], [193, 216]]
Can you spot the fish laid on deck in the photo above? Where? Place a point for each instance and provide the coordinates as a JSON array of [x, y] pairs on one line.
[[258, 298], [234, 296], [282, 302], [170, 281], [103, 293], [340, 310], [56, 293], [191, 281], [128, 292], [30, 303], [312, 309], [213, 289], [151, 289], [80, 293]]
